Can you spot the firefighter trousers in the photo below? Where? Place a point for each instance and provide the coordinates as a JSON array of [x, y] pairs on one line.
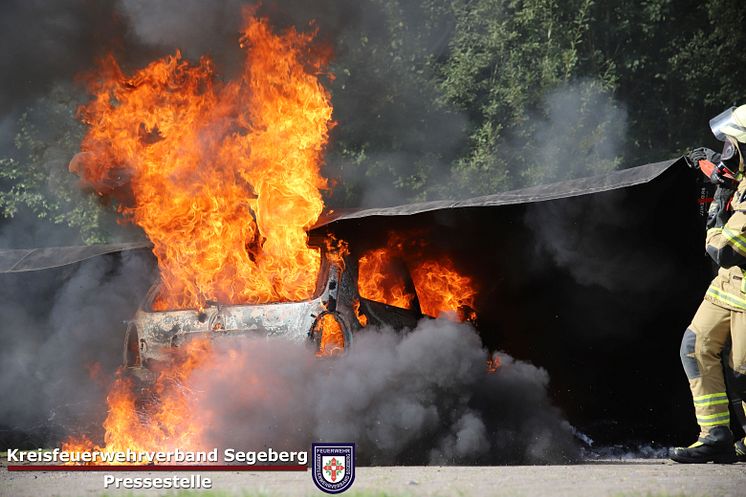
[[713, 330]]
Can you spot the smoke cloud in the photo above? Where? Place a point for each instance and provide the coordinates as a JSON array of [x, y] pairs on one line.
[[394, 125], [62, 341], [580, 132], [420, 397], [571, 234], [376, 94], [423, 397], [47, 43], [50, 43]]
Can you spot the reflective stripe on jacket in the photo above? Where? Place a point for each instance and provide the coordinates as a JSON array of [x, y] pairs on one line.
[[727, 247]]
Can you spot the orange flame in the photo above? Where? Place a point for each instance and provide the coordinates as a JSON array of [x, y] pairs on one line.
[[493, 364], [441, 289], [378, 280], [361, 318], [168, 422], [332, 336], [223, 177]]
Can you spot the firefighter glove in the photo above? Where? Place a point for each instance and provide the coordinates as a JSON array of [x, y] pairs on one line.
[[701, 153]]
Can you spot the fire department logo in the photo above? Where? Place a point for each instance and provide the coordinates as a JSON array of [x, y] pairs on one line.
[[333, 466]]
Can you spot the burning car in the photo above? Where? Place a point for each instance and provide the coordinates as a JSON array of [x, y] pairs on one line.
[[224, 177], [328, 320]]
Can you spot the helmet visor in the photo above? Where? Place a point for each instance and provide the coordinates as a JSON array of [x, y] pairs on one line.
[[722, 122]]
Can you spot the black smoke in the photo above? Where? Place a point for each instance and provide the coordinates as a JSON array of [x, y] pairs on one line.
[[62, 340], [421, 397], [49, 43]]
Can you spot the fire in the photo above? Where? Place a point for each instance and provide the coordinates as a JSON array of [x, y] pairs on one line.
[[440, 289], [223, 177], [361, 318], [493, 364], [379, 280], [332, 336], [443, 291], [168, 422]]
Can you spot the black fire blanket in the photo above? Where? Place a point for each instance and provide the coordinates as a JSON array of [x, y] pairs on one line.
[[572, 188], [34, 259]]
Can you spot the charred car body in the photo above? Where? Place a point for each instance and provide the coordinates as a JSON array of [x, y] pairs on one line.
[[152, 335]]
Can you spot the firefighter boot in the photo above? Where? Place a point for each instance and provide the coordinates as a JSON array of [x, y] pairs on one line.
[[717, 446], [741, 450]]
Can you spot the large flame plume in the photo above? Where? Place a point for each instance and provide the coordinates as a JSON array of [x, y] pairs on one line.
[[224, 177]]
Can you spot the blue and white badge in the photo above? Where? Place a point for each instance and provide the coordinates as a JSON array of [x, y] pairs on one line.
[[333, 466]]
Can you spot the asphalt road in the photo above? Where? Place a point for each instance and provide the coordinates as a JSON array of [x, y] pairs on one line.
[[602, 478]]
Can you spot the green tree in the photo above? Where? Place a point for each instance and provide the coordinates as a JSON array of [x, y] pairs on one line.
[[674, 64], [507, 58], [465, 97], [395, 137], [446, 98], [36, 178]]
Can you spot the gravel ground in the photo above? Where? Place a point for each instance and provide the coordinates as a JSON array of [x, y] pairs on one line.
[[600, 478]]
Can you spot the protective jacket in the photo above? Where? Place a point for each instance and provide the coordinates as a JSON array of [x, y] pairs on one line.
[[720, 321], [727, 247]]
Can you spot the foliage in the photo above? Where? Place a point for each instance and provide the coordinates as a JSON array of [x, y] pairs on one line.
[[36, 177], [393, 136], [505, 57], [541, 90], [446, 98]]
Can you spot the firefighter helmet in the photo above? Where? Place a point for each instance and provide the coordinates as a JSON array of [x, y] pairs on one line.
[[730, 123]]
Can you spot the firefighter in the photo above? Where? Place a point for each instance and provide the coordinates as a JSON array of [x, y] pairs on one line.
[[720, 321]]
